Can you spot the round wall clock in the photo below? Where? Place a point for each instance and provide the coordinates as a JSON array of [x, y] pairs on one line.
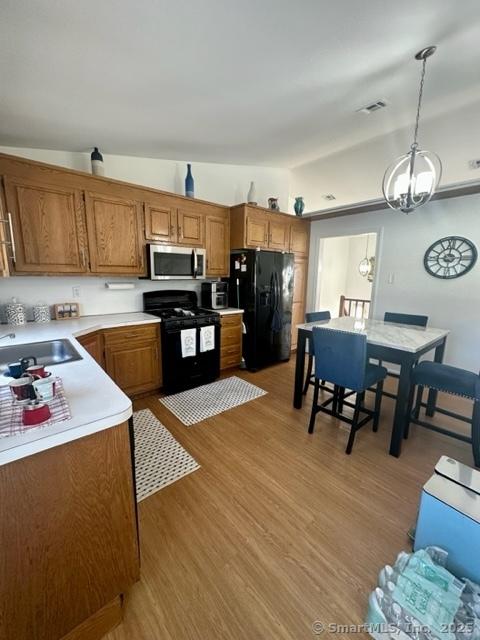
[[450, 257]]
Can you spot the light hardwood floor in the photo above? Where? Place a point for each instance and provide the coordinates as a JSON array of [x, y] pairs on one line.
[[278, 528]]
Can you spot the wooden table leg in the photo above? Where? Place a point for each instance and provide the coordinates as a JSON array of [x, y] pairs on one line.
[[433, 393], [300, 368], [401, 407]]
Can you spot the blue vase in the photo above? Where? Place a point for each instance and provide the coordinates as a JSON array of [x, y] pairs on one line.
[[299, 206], [189, 183]]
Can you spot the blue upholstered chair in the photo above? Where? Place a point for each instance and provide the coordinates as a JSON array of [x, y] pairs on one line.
[[341, 359], [455, 381], [314, 316], [402, 318]]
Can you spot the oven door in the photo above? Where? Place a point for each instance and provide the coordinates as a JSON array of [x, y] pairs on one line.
[[176, 263]]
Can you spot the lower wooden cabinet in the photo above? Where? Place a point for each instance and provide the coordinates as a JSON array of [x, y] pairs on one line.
[[93, 343], [130, 355], [230, 340], [132, 358], [68, 535]]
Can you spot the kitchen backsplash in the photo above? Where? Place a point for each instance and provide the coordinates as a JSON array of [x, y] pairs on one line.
[[94, 298]]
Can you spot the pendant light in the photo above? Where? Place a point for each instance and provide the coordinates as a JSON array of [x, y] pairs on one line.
[[412, 179], [367, 265]]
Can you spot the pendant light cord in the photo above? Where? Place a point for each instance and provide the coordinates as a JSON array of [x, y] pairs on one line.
[[420, 95]]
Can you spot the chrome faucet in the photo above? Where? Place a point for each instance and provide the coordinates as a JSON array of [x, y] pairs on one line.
[[8, 335]]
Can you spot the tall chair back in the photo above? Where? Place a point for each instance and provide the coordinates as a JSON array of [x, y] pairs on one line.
[[317, 316], [405, 318], [340, 357]]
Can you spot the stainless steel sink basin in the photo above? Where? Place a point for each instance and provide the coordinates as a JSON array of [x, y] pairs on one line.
[[47, 353]]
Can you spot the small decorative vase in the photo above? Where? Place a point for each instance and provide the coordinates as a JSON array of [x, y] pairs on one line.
[[189, 183], [299, 206], [97, 163], [252, 194], [41, 312], [273, 204], [15, 313]]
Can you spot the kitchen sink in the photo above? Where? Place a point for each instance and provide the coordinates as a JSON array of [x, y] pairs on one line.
[[47, 353]]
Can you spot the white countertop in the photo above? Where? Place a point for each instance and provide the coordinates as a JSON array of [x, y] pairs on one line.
[[384, 334], [96, 403], [228, 311]]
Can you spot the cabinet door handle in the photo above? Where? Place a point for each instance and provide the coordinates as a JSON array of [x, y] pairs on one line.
[[83, 257], [12, 239]]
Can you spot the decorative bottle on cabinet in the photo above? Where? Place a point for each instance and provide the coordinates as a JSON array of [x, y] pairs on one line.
[[189, 183], [299, 205], [97, 163], [252, 194]]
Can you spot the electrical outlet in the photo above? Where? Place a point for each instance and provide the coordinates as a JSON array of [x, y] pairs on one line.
[[76, 291]]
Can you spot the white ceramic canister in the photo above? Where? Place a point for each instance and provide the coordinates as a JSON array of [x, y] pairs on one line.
[[15, 312], [41, 312]]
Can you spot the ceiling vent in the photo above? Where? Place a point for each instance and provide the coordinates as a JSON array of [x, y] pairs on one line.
[[374, 106], [329, 196]]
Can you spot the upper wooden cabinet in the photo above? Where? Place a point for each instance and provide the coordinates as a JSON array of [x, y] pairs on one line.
[[259, 228], [48, 227], [217, 234], [160, 223], [115, 232], [191, 227], [255, 233], [299, 239], [279, 235]]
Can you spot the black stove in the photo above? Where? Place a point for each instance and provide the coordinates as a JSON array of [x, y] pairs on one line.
[[178, 311]]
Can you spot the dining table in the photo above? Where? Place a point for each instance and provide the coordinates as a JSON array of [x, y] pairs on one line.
[[388, 342]]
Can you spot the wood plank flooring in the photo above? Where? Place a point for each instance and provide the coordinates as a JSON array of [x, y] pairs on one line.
[[278, 528]]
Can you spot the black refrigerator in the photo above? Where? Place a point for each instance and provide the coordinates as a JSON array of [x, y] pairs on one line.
[[261, 283]]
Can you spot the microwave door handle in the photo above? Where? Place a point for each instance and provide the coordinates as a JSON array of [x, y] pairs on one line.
[[195, 263]]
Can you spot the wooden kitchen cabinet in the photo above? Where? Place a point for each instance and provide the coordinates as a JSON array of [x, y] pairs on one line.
[[160, 223], [217, 244], [259, 228], [69, 539], [299, 239], [279, 235], [190, 226], [48, 227], [133, 359], [5, 241], [230, 340], [300, 272], [115, 232], [93, 343]]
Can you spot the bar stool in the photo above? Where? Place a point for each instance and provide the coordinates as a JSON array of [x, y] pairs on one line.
[[341, 359], [455, 381], [314, 316]]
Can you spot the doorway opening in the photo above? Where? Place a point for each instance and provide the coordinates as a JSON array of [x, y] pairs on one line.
[[346, 274]]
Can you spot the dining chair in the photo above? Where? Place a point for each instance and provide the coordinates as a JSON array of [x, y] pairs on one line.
[[341, 359], [454, 381], [401, 318], [314, 316]]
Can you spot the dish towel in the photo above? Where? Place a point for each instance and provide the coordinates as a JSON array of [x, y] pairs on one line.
[[207, 338], [188, 338]]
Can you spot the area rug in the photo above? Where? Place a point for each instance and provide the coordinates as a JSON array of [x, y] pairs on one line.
[[159, 458], [209, 400]]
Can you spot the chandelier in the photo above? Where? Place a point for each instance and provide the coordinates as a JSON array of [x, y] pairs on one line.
[[412, 179]]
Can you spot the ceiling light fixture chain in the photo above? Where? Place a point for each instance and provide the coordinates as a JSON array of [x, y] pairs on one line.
[[419, 106]]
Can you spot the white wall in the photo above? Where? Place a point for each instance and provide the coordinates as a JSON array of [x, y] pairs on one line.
[[225, 184], [94, 298], [450, 304], [355, 174]]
